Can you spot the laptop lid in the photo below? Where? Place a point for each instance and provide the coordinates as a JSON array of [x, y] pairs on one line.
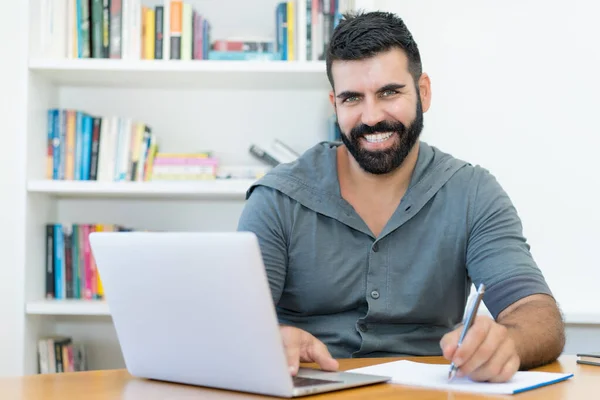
[[193, 308]]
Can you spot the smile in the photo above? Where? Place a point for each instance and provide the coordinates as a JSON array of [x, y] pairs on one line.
[[378, 137]]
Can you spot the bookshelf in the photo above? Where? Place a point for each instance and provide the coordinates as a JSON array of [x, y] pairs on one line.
[[177, 74], [234, 189], [221, 106], [67, 307]]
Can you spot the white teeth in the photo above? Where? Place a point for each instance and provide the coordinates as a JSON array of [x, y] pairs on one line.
[[378, 137]]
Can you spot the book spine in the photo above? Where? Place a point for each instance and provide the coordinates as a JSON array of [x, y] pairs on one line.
[[150, 33], [97, 28], [88, 291], [91, 266], [291, 30], [175, 28], [68, 260], [186, 31], [84, 29], [72, 30], [63, 148], [159, 32], [262, 155], [116, 23], [81, 270], [106, 29], [58, 357], [166, 28], [50, 144], [59, 251], [86, 146], [198, 38], [50, 257], [308, 31], [56, 143], [43, 356], [126, 29], [75, 264], [97, 125], [71, 146], [79, 141]]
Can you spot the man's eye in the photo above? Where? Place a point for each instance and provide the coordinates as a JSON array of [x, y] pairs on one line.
[[351, 99], [389, 93]]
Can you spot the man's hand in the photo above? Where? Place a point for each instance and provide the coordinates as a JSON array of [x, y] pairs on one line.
[[487, 353], [301, 346]]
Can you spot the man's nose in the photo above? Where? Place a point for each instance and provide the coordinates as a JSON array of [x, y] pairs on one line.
[[372, 113]]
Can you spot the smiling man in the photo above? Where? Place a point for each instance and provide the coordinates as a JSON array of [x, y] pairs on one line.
[[371, 246]]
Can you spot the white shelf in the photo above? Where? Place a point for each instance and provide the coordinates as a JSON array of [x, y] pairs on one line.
[[67, 307], [215, 189], [187, 74]]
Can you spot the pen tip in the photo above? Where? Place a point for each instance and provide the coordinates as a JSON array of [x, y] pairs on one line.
[[450, 375]]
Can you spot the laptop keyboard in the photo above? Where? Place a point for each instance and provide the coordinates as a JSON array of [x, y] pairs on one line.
[[300, 381]]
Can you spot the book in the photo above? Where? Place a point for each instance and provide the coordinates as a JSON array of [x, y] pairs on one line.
[[58, 354], [435, 376], [588, 358]]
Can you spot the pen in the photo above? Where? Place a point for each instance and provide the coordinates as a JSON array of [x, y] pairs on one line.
[[468, 322]]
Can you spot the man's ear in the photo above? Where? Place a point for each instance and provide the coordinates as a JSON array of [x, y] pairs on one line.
[[332, 98], [425, 91]]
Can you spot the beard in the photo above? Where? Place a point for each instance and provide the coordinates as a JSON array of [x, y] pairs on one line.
[[381, 162]]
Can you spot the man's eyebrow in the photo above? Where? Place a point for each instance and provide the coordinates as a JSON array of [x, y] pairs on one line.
[[392, 86], [389, 86], [347, 93]]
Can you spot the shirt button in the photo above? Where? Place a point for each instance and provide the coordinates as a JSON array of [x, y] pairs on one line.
[[376, 247], [362, 327], [375, 294]]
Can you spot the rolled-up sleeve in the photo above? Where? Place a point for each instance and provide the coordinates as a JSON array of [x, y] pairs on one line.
[[498, 254]]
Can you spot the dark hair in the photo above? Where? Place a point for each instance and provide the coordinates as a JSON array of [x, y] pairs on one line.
[[363, 35]]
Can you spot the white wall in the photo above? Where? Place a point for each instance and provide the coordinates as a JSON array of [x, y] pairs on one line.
[[13, 72], [515, 88]]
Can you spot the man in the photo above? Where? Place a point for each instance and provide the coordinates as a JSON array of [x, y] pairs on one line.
[[371, 246]]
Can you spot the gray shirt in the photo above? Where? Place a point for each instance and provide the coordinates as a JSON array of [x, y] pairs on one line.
[[398, 293]]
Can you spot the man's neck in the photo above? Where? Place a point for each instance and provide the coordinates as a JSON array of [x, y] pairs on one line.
[[386, 186]]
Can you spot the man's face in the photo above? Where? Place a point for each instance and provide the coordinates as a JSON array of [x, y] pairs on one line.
[[378, 108]]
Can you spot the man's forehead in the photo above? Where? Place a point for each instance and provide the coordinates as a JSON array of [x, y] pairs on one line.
[[371, 73]]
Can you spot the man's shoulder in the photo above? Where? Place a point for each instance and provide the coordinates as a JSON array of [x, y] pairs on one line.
[[466, 172], [475, 184], [436, 164], [312, 174]]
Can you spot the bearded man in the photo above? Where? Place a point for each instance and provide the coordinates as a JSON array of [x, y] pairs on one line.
[[371, 245]]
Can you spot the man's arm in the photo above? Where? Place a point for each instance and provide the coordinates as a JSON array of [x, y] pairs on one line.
[[267, 214], [536, 326], [527, 328], [264, 215]]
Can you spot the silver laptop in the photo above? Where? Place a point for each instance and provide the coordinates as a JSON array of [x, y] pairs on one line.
[[196, 308]]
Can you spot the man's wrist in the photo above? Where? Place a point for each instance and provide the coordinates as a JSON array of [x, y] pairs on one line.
[[516, 335]]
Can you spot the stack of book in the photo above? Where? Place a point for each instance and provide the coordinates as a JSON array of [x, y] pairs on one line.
[[176, 30], [58, 354], [308, 24], [70, 267], [184, 166], [85, 147], [123, 29], [274, 153]]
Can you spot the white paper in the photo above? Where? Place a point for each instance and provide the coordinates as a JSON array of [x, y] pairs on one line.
[[435, 376]]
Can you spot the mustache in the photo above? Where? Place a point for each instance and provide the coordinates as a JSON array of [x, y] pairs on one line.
[[383, 126]]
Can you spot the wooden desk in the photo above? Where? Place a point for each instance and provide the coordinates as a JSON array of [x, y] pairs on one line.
[[118, 384]]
